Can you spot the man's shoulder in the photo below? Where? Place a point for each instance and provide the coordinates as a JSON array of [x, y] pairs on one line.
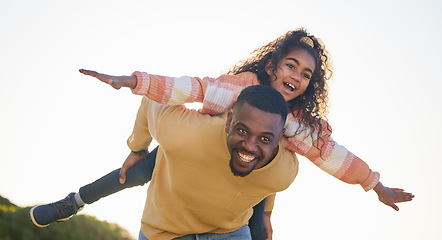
[[181, 113]]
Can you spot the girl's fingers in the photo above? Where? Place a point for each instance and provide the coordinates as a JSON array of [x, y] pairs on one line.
[[397, 189], [89, 73]]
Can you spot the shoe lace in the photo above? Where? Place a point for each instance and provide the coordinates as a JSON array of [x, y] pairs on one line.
[[65, 207]]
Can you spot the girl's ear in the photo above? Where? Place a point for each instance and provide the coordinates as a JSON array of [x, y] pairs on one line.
[[269, 67]]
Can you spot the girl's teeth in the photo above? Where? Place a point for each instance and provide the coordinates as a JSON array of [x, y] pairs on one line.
[[290, 85], [246, 158]]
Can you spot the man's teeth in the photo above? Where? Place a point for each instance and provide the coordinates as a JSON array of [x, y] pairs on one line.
[[290, 85], [245, 157]]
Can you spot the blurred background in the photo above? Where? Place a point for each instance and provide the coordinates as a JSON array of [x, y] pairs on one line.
[[60, 130]]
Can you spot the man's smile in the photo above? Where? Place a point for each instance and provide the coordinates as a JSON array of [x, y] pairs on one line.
[[246, 157]]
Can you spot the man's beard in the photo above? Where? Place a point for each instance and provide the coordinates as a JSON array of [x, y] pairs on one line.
[[236, 173]]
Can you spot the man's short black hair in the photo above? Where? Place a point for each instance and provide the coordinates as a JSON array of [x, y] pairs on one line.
[[265, 99]]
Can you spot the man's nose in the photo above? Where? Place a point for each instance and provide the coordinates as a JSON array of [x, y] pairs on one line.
[[250, 144]]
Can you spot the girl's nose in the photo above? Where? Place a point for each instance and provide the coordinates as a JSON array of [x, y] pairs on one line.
[[296, 76]]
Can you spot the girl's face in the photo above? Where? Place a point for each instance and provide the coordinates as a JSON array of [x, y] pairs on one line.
[[293, 73]]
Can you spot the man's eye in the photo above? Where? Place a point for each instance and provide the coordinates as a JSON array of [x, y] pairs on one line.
[[265, 139], [242, 131]]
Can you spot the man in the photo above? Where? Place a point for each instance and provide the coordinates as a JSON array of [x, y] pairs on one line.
[[211, 170]]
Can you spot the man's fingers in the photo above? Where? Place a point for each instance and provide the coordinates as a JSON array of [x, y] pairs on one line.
[[122, 176]]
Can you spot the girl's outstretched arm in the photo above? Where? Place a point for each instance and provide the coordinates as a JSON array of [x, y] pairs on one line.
[[337, 161], [332, 158], [217, 94]]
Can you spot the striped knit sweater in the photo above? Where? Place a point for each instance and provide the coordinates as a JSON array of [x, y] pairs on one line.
[[219, 95]]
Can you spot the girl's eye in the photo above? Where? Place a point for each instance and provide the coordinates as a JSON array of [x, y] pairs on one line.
[[291, 66], [306, 76]]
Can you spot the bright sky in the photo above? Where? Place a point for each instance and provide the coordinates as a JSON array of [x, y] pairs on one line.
[[60, 130]]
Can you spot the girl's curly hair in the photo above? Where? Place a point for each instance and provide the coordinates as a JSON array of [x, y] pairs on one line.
[[312, 105]]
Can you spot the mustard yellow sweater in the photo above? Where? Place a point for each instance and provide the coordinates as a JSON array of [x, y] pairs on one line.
[[192, 188]]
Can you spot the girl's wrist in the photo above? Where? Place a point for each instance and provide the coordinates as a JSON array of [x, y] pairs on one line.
[[379, 187], [129, 81]]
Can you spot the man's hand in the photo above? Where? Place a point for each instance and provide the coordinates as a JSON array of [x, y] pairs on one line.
[[130, 161], [114, 81], [268, 224], [390, 196]]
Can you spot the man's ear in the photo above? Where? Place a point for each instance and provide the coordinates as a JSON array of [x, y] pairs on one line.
[[269, 67], [282, 134], [229, 120]]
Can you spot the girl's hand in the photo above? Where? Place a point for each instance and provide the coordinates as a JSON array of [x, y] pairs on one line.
[[390, 196], [114, 81]]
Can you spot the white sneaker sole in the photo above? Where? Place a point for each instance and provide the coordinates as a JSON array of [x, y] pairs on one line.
[[31, 214]]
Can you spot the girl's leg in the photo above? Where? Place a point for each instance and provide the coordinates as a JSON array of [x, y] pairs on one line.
[[137, 175], [62, 210], [256, 222]]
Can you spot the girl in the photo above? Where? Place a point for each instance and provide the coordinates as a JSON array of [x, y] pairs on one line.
[[296, 65]]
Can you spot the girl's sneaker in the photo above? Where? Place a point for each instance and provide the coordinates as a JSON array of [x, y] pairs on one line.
[[60, 211]]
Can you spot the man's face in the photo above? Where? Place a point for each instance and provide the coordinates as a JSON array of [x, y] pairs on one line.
[[252, 138]]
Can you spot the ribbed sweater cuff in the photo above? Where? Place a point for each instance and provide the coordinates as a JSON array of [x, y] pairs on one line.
[[143, 82], [371, 181]]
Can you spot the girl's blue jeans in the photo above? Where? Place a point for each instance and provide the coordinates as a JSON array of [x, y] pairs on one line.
[[140, 174]]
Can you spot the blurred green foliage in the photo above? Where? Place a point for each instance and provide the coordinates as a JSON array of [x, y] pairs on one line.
[[15, 224]]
